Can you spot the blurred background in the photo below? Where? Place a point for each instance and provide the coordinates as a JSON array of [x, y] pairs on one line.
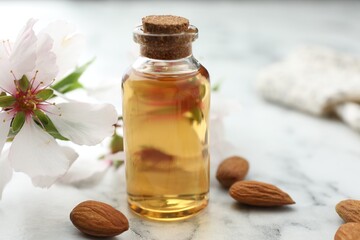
[[237, 38]]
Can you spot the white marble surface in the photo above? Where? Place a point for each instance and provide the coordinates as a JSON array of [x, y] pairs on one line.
[[316, 160]]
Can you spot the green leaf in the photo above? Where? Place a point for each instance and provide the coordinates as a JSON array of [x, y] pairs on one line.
[[6, 101], [24, 83], [72, 87], [71, 81], [45, 94], [41, 116], [45, 122], [117, 144], [2, 94], [18, 122]]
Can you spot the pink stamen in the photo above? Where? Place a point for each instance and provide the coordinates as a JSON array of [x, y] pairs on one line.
[[37, 87], [32, 80], [41, 106], [50, 83], [26, 99], [4, 90], [12, 73]]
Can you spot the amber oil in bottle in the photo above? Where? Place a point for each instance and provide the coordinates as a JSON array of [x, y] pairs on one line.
[[166, 97]]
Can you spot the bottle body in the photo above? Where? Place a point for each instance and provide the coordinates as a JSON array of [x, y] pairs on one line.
[[166, 116]]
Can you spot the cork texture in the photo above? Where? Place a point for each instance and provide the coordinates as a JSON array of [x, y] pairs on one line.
[[166, 40], [168, 53], [165, 24]]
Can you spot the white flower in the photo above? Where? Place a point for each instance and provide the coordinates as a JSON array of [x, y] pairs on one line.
[[67, 46], [28, 67]]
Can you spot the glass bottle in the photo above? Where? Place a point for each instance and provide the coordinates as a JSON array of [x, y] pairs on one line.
[[166, 98]]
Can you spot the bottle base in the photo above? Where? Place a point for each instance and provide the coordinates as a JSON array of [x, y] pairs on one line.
[[168, 207]]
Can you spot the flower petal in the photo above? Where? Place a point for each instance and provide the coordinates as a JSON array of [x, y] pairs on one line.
[[6, 79], [46, 68], [67, 46], [84, 123], [23, 55], [116, 156], [47, 181], [85, 172], [5, 171], [37, 154], [5, 121]]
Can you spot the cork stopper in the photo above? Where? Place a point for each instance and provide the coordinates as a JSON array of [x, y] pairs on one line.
[[165, 24], [165, 37]]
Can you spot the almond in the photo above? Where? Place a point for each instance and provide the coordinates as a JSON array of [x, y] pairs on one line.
[[98, 219], [348, 231], [259, 194], [349, 210], [231, 170]]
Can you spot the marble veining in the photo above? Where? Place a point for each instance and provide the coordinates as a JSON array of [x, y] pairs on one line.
[[315, 160]]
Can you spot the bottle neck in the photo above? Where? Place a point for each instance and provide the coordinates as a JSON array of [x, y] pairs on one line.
[[166, 52], [184, 65]]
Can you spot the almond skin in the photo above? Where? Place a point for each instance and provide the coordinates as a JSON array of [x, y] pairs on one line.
[[348, 231], [349, 210], [259, 194], [98, 219], [231, 170]]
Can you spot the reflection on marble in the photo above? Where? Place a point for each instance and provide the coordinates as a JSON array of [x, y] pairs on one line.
[[316, 161]]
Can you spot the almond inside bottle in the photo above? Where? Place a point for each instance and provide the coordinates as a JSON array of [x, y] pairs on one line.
[[166, 98]]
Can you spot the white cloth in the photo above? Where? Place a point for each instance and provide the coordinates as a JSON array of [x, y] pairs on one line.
[[316, 80]]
